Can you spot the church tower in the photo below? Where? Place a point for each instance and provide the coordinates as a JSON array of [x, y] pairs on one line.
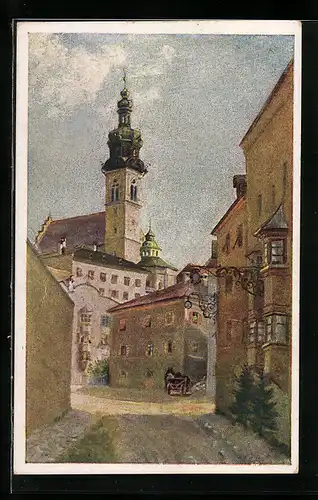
[[123, 171]]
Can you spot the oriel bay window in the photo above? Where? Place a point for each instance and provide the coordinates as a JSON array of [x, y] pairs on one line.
[[275, 251], [277, 328]]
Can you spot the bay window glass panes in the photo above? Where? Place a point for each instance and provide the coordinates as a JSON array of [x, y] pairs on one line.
[[265, 253], [261, 332], [281, 329], [277, 251], [269, 322], [252, 331]]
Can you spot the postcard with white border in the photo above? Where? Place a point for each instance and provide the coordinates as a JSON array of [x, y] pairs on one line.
[[157, 232]]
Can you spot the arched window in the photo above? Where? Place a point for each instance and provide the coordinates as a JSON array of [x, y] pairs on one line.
[[115, 191], [160, 285], [133, 190]]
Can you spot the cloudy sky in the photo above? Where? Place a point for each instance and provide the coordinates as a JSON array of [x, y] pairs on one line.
[[194, 98]]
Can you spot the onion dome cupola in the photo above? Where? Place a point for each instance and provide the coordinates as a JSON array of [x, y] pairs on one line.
[[124, 142], [149, 247]]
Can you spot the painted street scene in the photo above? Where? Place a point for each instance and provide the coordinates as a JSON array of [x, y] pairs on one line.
[[159, 251]]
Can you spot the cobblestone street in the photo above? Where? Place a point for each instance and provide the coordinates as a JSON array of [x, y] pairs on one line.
[[176, 432]]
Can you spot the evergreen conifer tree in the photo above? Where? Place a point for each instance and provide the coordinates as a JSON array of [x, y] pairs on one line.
[[242, 407], [264, 413]]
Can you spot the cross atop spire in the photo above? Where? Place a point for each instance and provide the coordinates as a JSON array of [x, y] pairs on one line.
[[125, 77]]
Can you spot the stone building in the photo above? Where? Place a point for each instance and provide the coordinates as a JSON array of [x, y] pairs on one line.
[[231, 233], [266, 213], [154, 333], [98, 282], [49, 316]]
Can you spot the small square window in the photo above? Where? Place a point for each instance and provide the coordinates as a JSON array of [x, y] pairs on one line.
[[125, 295], [137, 295], [123, 350], [122, 324], [114, 294], [102, 291], [126, 281], [114, 279], [86, 318], [79, 272], [102, 277], [138, 282], [91, 274], [194, 347]]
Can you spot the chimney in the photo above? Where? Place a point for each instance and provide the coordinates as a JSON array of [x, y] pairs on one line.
[[239, 182], [62, 245]]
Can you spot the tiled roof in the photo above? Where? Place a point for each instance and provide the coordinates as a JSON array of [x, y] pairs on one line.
[[78, 231], [106, 260], [271, 96], [277, 221], [156, 262], [59, 274], [189, 267], [177, 291]]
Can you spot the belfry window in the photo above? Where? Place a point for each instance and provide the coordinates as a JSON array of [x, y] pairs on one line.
[[115, 191], [133, 191]]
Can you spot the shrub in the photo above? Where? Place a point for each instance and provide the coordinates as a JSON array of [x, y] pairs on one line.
[[253, 404], [99, 368], [242, 407], [264, 413]]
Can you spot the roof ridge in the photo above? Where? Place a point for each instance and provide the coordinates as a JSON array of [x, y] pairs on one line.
[[78, 216]]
